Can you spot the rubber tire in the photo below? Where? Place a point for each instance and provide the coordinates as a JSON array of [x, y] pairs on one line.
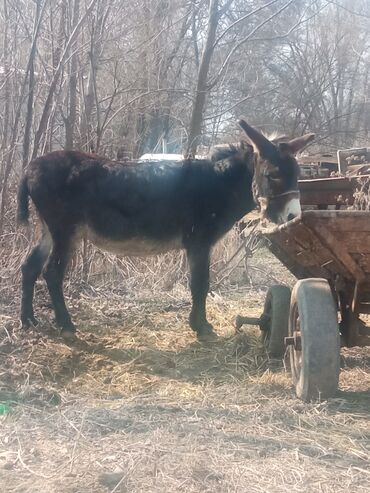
[[318, 378], [277, 305]]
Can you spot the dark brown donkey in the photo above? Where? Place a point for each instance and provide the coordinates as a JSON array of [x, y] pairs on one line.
[[149, 208]]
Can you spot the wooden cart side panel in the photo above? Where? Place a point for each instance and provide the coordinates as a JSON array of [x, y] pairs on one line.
[[303, 253], [340, 252], [325, 244], [327, 191], [363, 260], [345, 234], [355, 242], [346, 221], [290, 262]]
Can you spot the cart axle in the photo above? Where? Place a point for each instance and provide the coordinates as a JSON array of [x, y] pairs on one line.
[[294, 340], [263, 321]]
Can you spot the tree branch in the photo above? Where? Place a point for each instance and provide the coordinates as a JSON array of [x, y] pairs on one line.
[[244, 40]]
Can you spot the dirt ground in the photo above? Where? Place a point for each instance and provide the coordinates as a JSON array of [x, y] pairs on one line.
[[137, 404]]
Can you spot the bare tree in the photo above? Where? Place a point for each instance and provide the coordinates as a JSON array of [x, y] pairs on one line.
[[31, 86], [202, 78], [130, 76], [70, 119]]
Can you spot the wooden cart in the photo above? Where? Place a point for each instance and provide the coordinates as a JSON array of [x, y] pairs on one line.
[[329, 252]]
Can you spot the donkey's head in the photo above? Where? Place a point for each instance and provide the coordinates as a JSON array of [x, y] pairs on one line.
[[275, 179]]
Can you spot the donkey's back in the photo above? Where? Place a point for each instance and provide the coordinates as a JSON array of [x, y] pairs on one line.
[[129, 208]]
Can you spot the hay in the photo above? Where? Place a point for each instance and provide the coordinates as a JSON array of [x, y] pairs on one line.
[[137, 404]]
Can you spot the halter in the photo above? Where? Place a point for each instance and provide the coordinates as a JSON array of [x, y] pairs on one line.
[[296, 193]]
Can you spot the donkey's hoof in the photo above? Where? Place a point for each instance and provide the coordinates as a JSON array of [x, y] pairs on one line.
[[28, 322], [207, 334]]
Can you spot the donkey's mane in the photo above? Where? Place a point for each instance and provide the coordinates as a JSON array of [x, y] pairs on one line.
[[224, 151], [275, 137]]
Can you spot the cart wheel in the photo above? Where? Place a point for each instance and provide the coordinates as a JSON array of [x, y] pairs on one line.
[[314, 340], [275, 319]]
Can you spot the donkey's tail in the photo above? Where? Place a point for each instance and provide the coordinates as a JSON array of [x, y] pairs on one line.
[[23, 212]]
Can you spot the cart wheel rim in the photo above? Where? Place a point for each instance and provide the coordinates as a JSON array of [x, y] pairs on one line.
[[296, 354], [267, 327]]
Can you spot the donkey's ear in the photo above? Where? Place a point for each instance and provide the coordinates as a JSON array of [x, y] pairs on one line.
[[295, 145], [260, 141]]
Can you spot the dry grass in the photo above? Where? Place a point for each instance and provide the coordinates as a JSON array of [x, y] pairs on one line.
[[138, 405]]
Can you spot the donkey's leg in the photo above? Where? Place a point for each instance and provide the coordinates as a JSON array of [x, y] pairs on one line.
[[199, 286], [54, 276], [31, 270]]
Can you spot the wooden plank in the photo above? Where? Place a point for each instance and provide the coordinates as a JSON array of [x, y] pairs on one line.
[[304, 254], [364, 308], [294, 266], [340, 252], [300, 243], [327, 191], [338, 221], [363, 260], [363, 340], [340, 184], [355, 243], [346, 225], [318, 158], [325, 241], [326, 198]]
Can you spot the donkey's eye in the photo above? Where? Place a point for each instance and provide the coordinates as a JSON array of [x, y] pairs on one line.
[[274, 177]]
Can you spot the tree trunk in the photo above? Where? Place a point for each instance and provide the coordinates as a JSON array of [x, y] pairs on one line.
[[70, 121], [53, 84], [4, 140], [7, 163], [201, 88], [31, 87], [90, 96]]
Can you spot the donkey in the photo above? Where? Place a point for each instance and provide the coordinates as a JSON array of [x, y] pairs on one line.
[[147, 208]]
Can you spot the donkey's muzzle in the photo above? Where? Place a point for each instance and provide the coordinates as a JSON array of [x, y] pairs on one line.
[[290, 207], [283, 207]]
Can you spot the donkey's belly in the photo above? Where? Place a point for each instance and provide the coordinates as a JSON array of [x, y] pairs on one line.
[[139, 247]]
